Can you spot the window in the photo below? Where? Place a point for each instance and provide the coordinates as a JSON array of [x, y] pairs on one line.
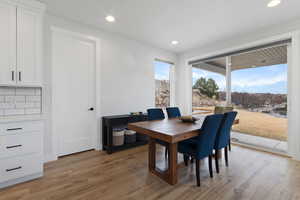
[[162, 83], [256, 88]]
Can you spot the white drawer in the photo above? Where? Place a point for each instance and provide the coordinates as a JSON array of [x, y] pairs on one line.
[[20, 127], [18, 167], [20, 144]]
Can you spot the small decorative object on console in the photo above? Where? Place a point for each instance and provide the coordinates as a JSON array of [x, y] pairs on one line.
[[136, 113]]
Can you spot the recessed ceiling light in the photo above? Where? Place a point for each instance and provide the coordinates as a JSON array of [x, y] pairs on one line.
[[174, 42], [110, 18], [274, 3]]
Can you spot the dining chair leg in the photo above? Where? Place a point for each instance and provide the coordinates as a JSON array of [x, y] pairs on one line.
[[226, 156], [217, 161], [198, 172], [192, 160], [229, 144], [186, 159], [210, 166]]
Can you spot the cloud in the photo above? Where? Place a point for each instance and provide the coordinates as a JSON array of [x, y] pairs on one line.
[[222, 84], [161, 77], [252, 82], [199, 74], [263, 79]]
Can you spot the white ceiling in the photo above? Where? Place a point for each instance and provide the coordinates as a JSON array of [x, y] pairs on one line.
[[191, 22]]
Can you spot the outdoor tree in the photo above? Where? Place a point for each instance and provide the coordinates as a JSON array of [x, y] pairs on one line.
[[207, 87]]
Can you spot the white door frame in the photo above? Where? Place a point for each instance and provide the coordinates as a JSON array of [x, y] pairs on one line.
[[98, 143]]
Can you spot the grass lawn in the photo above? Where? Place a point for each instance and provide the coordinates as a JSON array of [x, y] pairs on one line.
[[260, 124]]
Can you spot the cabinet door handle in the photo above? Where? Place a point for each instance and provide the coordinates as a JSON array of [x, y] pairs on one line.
[[13, 75], [15, 146], [20, 76], [14, 129], [13, 169]]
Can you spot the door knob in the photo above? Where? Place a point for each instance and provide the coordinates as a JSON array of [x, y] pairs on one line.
[[91, 109]]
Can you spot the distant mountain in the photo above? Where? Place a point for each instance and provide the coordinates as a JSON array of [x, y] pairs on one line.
[[255, 100], [275, 104]]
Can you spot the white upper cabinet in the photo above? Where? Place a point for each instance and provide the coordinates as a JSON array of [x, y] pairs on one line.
[[21, 43], [7, 43], [29, 29]]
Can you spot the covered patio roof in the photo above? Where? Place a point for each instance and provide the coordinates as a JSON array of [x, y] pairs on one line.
[[256, 58]]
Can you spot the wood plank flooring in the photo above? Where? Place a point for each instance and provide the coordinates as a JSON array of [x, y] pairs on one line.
[[124, 175]]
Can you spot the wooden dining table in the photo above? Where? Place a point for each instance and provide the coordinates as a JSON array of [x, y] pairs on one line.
[[170, 131]]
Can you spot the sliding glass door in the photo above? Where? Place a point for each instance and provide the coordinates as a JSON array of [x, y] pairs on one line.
[[254, 83]]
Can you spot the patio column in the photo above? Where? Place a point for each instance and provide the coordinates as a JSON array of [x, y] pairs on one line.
[[228, 80]]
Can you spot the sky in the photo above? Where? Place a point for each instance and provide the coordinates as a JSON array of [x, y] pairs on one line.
[[269, 79], [162, 70]]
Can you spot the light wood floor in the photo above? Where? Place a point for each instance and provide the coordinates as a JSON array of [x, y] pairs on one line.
[[95, 175]]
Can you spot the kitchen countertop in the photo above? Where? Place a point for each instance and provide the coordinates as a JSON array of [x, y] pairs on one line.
[[21, 118]]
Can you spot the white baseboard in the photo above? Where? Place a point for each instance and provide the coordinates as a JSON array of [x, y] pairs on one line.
[[49, 158], [99, 148], [21, 180]]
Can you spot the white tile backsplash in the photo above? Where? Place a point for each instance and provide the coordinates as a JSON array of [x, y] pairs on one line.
[[10, 99], [28, 105], [1, 112], [38, 92], [20, 101], [31, 111], [25, 91], [9, 112], [33, 98], [7, 105], [7, 91]]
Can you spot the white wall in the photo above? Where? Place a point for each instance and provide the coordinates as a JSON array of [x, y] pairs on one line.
[[126, 73]]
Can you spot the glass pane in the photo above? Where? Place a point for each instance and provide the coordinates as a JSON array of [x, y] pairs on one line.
[[259, 94], [162, 84], [208, 90]]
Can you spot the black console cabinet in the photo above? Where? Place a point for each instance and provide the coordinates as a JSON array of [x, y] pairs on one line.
[[118, 121]]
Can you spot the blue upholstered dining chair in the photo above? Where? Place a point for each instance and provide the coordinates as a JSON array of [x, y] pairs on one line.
[[158, 114], [173, 112], [155, 114], [223, 136], [202, 146]]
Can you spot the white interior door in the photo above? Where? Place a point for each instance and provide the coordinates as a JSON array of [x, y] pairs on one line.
[[7, 43], [73, 93]]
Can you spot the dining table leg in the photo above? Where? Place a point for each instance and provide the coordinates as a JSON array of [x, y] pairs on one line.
[[169, 175], [152, 154], [172, 170]]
